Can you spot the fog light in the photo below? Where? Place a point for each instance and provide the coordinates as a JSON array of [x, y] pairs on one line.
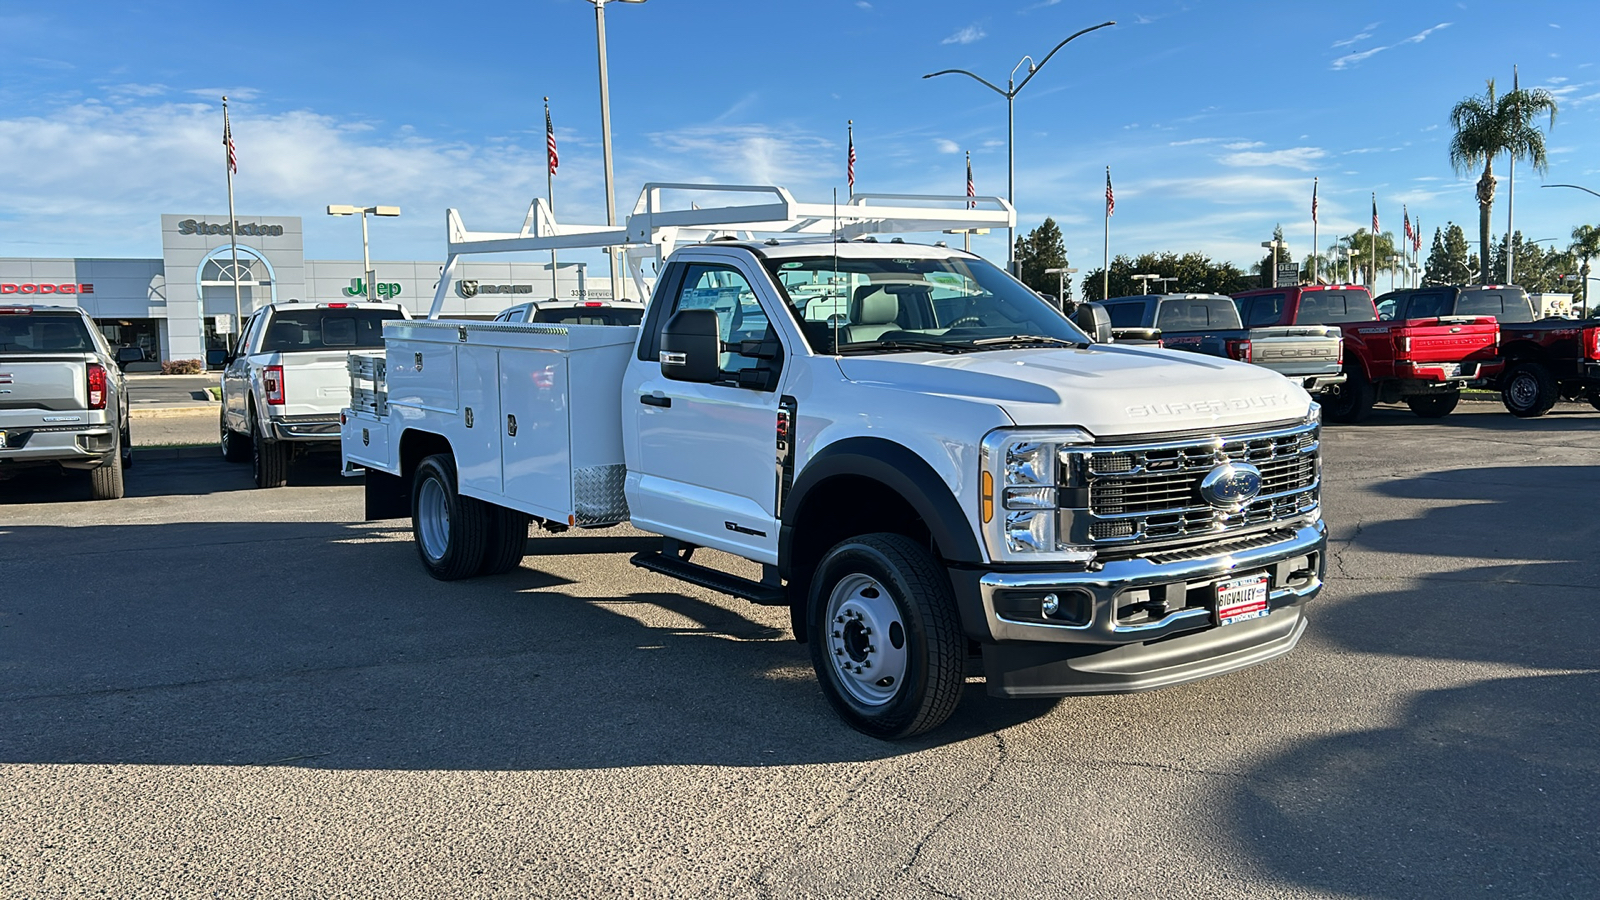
[[1051, 604]]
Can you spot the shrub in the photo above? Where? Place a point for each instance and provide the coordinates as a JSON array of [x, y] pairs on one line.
[[183, 367]]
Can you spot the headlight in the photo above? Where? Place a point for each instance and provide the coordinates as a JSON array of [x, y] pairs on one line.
[[1028, 468], [1314, 414]]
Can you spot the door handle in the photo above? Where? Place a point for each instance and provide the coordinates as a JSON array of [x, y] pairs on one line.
[[652, 400]]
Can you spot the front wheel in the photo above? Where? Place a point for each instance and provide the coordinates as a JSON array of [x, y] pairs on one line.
[[886, 641], [1434, 406], [451, 531], [1530, 391]]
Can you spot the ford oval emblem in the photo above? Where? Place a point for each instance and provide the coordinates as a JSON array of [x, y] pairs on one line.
[[1231, 485]]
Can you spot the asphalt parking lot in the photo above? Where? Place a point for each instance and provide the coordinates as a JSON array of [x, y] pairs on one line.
[[210, 690]]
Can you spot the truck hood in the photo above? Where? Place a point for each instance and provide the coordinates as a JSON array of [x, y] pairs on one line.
[[1107, 389]]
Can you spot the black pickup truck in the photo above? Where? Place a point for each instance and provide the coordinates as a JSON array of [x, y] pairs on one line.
[[1546, 359], [1310, 355]]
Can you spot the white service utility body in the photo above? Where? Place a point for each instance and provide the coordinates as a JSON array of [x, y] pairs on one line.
[[927, 460]]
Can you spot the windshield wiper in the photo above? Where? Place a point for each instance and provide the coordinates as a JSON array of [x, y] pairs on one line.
[[902, 345], [1020, 340]]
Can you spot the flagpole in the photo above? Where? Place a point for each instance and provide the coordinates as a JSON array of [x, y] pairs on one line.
[[1511, 197], [233, 240], [1316, 248], [966, 234], [550, 191], [1372, 252], [1105, 253]]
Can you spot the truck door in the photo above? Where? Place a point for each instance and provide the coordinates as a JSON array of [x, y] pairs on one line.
[[704, 464]]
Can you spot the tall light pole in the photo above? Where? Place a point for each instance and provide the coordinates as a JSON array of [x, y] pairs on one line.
[[1061, 284], [366, 255], [1163, 282], [1011, 91], [1144, 282], [605, 137], [1276, 245]]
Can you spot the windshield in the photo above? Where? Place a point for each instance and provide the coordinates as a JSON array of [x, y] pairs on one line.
[[952, 305], [326, 329]]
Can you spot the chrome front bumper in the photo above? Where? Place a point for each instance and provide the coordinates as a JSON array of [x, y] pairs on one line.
[[1295, 567]]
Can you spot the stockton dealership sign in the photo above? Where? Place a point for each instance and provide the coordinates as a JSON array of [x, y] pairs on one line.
[[191, 226], [46, 288]]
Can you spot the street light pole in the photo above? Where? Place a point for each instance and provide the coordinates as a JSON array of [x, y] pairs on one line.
[[1144, 282], [1010, 93], [1163, 283], [1061, 284], [366, 255], [605, 137], [1276, 245]]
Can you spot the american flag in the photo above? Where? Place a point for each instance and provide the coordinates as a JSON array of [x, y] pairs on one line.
[[1410, 235], [1313, 202], [550, 141], [1374, 213], [972, 190], [1111, 199], [850, 164], [227, 140]]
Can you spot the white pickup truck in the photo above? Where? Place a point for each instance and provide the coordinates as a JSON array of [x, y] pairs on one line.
[[928, 462], [285, 381]]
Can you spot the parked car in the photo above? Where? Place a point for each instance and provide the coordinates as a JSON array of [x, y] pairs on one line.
[[63, 399], [575, 312], [1310, 355], [1423, 360], [288, 377], [1545, 358]]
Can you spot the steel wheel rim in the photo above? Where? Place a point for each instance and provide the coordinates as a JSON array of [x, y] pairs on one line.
[[433, 518], [1523, 390], [866, 640]]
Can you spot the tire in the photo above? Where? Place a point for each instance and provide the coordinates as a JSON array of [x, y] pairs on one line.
[[451, 531], [269, 459], [507, 541], [1594, 398], [868, 592], [236, 447], [1350, 402], [127, 447], [105, 482], [1530, 391], [1434, 406]]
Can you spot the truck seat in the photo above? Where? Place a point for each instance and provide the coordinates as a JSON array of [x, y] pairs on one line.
[[872, 315]]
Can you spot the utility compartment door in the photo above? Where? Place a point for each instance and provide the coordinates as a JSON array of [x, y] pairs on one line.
[[535, 432], [477, 446]]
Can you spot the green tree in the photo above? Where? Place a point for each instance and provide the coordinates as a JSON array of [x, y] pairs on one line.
[[1193, 273], [1585, 246], [1486, 127], [1449, 261], [1038, 250]]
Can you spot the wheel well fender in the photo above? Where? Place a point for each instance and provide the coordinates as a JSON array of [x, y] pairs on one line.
[[862, 486]]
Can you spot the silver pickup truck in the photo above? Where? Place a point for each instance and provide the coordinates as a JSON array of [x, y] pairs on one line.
[[63, 403], [1312, 356]]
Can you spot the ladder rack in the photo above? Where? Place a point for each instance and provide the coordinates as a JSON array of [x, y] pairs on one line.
[[654, 229]]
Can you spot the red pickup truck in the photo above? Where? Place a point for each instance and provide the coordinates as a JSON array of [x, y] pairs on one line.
[[1423, 359]]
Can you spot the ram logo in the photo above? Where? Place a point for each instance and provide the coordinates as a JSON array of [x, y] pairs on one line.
[[468, 287]]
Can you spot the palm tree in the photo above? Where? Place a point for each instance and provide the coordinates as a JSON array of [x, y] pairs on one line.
[[1487, 127], [1585, 244]]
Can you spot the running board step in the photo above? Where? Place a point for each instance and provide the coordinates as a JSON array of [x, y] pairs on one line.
[[673, 566]]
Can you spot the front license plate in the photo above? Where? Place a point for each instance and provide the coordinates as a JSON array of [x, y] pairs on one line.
[[1242, 599]]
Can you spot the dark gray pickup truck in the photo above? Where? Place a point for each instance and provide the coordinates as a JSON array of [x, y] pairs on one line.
[[63, 402], [1311, 355]]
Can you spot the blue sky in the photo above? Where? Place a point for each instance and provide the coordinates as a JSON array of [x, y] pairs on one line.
[[1214, 116]]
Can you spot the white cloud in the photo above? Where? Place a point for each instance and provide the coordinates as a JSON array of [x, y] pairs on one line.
[[966, 35], [1302, 158], [946, 146], [1351, 59], [863, 4], [1243, 145], [1358, 38], [137, 90], [1192, 141]]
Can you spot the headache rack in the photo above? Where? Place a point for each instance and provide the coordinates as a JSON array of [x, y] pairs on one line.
[[655, 228]]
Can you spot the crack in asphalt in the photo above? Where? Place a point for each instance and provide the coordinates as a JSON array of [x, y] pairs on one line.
[[1001, 756]]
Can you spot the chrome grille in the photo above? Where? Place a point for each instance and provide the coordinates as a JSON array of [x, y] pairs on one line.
[[1151, 492]]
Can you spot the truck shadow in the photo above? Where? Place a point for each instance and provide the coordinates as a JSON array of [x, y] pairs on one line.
[[166, 477], [325, 645], [1489, 790]]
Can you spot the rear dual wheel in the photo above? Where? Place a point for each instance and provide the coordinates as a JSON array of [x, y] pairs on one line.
[[458, 536], [1530, 391]]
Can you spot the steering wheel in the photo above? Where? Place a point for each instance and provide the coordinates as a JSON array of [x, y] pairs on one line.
[[965, 320]]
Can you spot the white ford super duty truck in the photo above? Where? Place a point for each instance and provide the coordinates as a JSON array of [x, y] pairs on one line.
[[929, 463], [286, 380]]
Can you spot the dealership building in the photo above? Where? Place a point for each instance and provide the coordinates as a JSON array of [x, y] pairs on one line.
[[183, 304]]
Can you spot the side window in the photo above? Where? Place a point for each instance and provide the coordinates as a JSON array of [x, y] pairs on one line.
[[740, 317], [1126, 315], [1386, 309]]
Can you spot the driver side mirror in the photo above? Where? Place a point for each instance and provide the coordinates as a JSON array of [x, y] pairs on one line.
[[126, 355], [216, 358], [691, 345], [1093, 319]]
